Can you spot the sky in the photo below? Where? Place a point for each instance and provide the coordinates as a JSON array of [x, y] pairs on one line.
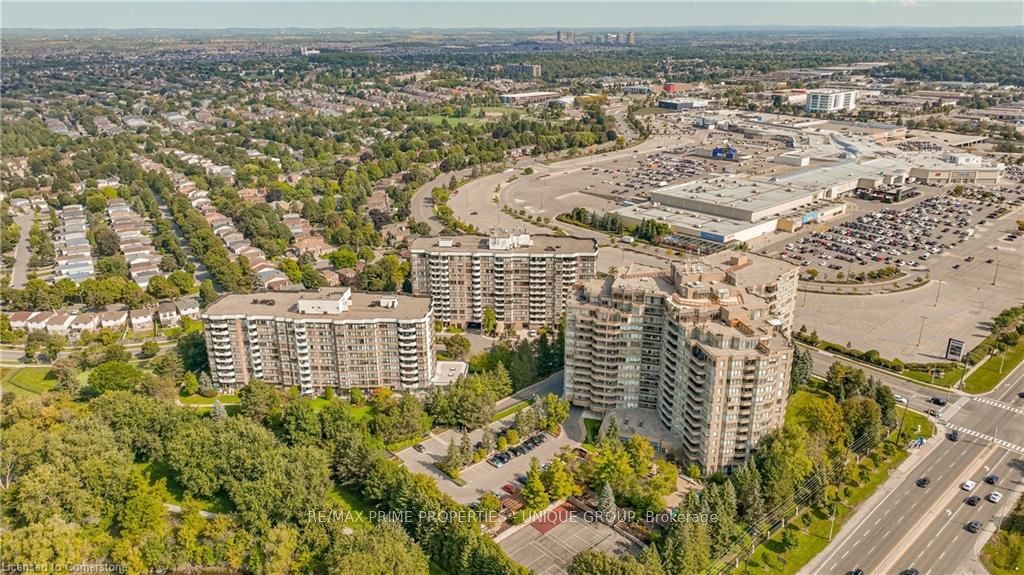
[[463, 14]]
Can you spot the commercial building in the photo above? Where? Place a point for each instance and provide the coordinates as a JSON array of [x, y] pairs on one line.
[[525, 279], [682, 104], [831, 100], [318, 339], [703, 348], [521, 98]]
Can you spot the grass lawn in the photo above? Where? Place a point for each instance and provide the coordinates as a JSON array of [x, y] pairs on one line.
[[361, 413], [198, 400], [1004, 553], [157, 470], [948, 379], [511, 410], [593, 427], [988, 375], [28, 380]]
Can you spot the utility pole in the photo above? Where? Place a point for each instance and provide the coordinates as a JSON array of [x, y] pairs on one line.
[[832, 525], [899, 432]]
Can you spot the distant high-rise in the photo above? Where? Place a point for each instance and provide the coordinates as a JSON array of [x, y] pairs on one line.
[[521, 70], [565, 37], [704, 346], [631, 38]]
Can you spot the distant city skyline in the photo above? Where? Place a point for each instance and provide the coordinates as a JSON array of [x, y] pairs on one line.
[[87, 14]]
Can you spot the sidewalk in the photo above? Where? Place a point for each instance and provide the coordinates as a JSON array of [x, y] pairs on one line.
[[895, 478]]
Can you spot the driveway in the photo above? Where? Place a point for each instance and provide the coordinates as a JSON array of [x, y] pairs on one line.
[[479, 477]]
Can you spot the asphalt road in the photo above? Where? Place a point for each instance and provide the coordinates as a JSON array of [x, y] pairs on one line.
[[19, 273], [907, 526]]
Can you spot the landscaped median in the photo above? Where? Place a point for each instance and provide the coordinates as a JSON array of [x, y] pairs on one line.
[[1004, 552]]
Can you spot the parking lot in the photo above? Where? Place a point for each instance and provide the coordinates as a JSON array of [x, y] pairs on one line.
[[548, 544], [901, 238], [482, 476]]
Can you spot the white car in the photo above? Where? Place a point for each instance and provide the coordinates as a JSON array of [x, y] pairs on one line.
[[968, 485], [995, 497], [899, 398]]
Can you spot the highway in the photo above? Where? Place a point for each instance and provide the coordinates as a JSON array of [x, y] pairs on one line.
[[905, 526]]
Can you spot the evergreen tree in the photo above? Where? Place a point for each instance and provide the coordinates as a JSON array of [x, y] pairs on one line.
[[534, 494], [606, 508], [218, 412]]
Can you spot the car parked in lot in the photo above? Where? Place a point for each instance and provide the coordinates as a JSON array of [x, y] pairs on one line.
[[991, 479], [419, 448], [910, 571]]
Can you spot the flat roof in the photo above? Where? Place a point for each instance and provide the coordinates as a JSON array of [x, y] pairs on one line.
[[684, 219], [480, 243], [364, 306], [821, 177], [734, 191]]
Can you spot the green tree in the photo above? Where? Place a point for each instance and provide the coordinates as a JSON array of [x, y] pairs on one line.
[[259, 401], [606, 508], [149, 349], [557, 481], [534, 494], [490, 321], [115, 375]]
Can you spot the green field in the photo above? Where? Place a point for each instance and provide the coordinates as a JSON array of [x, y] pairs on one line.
[[198, 400], [988, 375], [948, 379], [28, 380]]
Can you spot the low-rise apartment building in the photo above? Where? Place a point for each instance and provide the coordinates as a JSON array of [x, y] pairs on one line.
[[702, 348], [313, 340], [525, 279]]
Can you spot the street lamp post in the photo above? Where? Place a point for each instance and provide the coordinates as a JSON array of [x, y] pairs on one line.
[[937, 292], [920, 334]]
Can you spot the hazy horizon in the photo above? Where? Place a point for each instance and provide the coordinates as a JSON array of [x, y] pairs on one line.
[[460, 15]]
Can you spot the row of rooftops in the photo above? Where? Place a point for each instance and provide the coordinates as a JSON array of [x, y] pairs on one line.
[[168, 313]]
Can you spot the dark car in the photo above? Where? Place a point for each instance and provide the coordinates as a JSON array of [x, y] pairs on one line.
[[924, 482], [855, 572], [973, 526], [1021, 395], [938, 401], [910, 571], [972, 500], [954, 435], [419, 447], [992, 479]]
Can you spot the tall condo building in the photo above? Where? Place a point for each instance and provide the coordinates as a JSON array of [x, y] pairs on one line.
[[702, 350], [318, 339], [525, 279], [831, 100], [521, 70]]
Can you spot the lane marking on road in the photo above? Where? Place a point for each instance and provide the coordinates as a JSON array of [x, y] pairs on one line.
[[993, 440], [1000, 405], [844, 555]]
